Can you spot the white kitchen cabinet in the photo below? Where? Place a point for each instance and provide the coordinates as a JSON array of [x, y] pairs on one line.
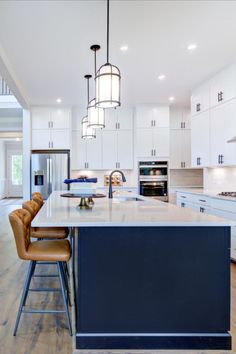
[[180, 118], [117, 149], [161, 142], [200, 99], [45, 118], [144, 143], [125, 149], [223, 86], [50, 128], [200, 140], [223, 128], [119, 119], [86, 154], [180, 148], [152, 116], [41, 139], [60, 139]]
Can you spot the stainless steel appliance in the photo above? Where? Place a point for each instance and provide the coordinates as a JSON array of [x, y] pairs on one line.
[[48, 171], [153, 179]]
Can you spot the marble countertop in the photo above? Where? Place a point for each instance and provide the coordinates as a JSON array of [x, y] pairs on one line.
[[205, 193], [61, 212]]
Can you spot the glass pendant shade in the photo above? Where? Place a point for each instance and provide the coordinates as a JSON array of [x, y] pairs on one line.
[[96, 116], [107, 84], [87, 132]]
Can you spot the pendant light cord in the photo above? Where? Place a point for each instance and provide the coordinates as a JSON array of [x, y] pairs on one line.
[[88, 88], [107, 31]]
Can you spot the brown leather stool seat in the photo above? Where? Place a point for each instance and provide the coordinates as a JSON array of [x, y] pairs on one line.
[[38, 198], [43, 232], [58, 251]]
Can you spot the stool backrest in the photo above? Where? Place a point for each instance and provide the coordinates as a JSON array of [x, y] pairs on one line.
[[32, 207], [38, 199], [20, 220]]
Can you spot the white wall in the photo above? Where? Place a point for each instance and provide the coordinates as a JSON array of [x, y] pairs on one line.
[[221, 179], [2, 170], [26, 153]]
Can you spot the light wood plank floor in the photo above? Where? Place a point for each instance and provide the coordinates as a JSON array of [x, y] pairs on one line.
[[44, 334]]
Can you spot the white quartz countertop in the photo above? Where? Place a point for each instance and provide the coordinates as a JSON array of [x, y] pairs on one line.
[[205, 193], [60, 211]]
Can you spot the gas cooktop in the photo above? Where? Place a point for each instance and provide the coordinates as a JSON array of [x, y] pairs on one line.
[[228, 194]]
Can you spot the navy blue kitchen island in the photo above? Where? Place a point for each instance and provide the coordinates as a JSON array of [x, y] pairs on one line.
[[147, 274]]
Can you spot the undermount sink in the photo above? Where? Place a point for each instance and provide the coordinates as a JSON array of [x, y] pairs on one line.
[[127, 199]]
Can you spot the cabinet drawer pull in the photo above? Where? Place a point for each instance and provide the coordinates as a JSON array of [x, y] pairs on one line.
[[198, 107], [220, 96], [182, 196], [182, 205], [202, 200]]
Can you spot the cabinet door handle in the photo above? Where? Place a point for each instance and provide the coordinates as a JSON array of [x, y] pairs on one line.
[[151, 123], [221, 159], [181, 125], [198, 107], [199, 161], [182, 205], [48, 124], [202, 200], [220, 96], [118, 125], [49, 144], [202, 210], [184, 125], [154, 122]]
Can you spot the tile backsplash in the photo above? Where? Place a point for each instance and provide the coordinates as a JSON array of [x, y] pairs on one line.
[[221, 179]]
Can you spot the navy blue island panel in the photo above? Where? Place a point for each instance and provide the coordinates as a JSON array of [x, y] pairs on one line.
[[152, 287]]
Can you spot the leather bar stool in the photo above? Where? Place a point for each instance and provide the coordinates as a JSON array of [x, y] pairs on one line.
[[43, 232], [58, 251]]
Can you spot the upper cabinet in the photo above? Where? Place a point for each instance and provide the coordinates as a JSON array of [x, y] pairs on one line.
[[180, 118], [223, 86], [200, 100], [119, 119], [152, 133], [213, 109], [51, 128], [152, 116]]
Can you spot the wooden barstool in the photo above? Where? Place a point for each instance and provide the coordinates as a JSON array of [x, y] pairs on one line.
[[43, 232], [58, 251]]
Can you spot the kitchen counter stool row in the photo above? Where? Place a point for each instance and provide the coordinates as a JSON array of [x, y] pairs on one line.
[[50, 247]]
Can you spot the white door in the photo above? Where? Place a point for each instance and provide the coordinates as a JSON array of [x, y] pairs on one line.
[[160, 116], [125, 118], [223, 86], [200, 140], [161, 142], [41, 139], [125, 149], [41, 118], [144, 142], [186, 148], [94, 152], [109, 150], [79, 157], [144, 117], [176, 148], [14, 173], [60, 139], [60, 118], [223, 128], [110, 119]]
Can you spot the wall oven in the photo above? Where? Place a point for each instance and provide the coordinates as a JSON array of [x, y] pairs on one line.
[[153, 179]]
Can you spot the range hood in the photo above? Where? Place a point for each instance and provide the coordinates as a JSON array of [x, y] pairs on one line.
[[232, 140]]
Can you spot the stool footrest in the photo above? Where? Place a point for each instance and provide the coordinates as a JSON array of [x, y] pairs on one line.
[[45, 289], [46, 276], [43, 311]]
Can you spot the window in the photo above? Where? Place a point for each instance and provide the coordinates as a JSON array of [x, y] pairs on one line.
[[16, 170]]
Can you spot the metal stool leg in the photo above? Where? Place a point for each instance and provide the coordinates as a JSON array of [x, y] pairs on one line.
[[24, 294], [63, 290], [66, 283]]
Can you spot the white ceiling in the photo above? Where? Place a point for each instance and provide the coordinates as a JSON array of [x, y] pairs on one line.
[[47, 44]]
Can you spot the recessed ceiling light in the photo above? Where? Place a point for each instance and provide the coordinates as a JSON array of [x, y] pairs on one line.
[[192, 47], [171, 98], [124, 48], [58, 100], [161, 77]]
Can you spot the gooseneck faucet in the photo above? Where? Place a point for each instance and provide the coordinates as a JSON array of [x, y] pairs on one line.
[[110, 181]]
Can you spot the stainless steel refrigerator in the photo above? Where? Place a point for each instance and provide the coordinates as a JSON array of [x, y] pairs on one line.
[[48, 171]]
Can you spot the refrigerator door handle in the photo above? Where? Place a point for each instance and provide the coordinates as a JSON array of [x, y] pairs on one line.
[[48, 176]]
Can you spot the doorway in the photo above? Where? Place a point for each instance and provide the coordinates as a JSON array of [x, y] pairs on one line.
[[14, 159]]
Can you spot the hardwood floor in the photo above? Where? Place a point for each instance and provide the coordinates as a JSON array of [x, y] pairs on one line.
[[46, 334]]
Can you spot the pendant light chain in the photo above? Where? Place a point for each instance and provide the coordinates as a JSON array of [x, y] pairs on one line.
[[108, 17]]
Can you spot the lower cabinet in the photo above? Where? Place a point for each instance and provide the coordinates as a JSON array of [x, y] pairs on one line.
[[213, 206]]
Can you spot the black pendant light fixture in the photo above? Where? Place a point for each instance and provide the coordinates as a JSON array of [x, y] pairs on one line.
[[107, 80], [96, 115], [87, 132]]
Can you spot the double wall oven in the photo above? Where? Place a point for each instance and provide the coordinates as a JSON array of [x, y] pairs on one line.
[[153, 179]]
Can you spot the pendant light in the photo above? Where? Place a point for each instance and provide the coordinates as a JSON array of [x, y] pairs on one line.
[[107, 80], [96, 115], [87, 132]]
